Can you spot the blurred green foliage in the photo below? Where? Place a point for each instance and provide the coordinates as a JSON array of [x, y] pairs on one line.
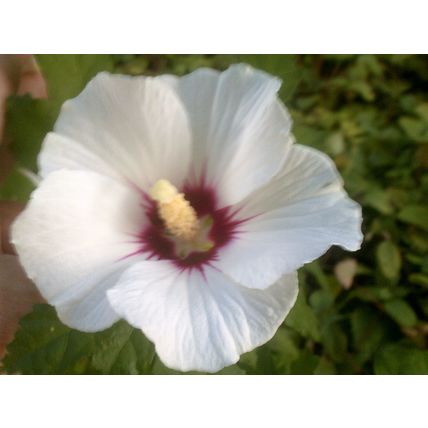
[[357, 313]]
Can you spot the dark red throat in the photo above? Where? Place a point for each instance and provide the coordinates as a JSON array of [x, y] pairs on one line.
[[155, 244]]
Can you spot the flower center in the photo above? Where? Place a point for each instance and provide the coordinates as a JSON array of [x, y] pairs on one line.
[[179, 217], [188, 228]]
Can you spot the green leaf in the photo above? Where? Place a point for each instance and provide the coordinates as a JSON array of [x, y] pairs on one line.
[[321, 300], [367, 332], [379, 200], [363, 89], [282, 66], [122, 350], [16, 187], [325, 367], [416, 129], [423, 303], [43, 345], [265, 361], [418, 239], [419, 278], [248, 362], [67, 75], [232, 370], [302, 319], [307, 363], [401, 359], [284, 350], [389, 259], [366, 294], [422, 111], [416, 215], [27, 123], [320, 276], [335, 342], [401, 312]]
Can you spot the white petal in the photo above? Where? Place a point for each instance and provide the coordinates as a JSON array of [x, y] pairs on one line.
[[200, 321], [84, 306], [294, 220], [240, 129], [70, 240], [131, 127]]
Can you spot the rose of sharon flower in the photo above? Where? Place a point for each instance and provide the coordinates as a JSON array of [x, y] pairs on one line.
[[182, 205]]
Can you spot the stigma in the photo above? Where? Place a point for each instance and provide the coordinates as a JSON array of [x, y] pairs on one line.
[[178, 215]]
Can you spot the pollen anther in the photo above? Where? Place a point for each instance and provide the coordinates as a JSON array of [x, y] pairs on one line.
[[176, 212]]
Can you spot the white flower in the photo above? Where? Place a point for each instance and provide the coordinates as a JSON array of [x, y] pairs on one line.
[[206, 274]]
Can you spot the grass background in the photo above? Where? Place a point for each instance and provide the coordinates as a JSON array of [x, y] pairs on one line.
[[357, 313]]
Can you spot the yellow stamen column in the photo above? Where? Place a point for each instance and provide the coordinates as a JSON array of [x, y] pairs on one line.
[[178, 215]]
